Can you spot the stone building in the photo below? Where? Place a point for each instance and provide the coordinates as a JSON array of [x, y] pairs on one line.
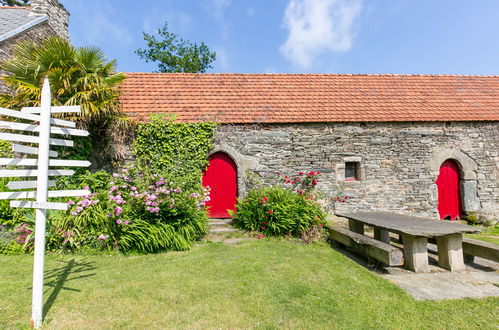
[[42, 19], [412, 144]]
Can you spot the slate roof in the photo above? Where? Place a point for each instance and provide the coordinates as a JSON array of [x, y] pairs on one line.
[[14, 20], [290, 98]]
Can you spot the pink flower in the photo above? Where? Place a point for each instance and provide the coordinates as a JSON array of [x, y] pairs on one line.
[[118, 210], [133, 188], [102, 237], [262, 227], [119, 221], [86, 188], [126, 222], [115, 175], [70, 202]]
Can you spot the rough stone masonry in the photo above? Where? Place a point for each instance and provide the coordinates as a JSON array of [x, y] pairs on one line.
[[399, 162]]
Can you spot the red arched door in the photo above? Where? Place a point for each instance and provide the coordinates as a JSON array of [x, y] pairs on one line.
[[449, 198], [221, 177]]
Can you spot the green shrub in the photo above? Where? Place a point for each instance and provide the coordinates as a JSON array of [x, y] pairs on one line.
[[130, 211], [277, 211], [179, 149]]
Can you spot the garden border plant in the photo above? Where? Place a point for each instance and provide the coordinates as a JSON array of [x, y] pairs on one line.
[[286, 206]]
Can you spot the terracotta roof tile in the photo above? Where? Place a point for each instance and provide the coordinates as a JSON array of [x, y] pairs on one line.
[[288, 98]]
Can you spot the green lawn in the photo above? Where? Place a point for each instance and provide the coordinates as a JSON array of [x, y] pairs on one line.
[[488, 234], [257, 284]]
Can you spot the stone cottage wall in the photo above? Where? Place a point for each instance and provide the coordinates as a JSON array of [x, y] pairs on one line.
[[57, 24], [58, 15], [399, 162], [36, 33]]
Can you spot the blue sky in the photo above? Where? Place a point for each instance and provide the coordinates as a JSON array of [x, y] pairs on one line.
[[303, 36]]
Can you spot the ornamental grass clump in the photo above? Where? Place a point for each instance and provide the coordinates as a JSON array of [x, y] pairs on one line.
[[276, 211]]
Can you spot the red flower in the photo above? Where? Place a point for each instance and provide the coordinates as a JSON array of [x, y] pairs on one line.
[[265, 199], [314, 182], [321, 224], [278, 173], [271, 211], [292, 182], [318, 172], [264, 222], [338, 198], [301, 173], [262, 227], [311, 173], [263, 202], [346, 197], [288, 181]]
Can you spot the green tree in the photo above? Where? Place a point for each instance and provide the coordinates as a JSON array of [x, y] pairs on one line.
[[14, 2], [174, 54], [77, 75]]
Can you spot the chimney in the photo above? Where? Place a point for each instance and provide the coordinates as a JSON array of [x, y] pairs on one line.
[[58, 15]]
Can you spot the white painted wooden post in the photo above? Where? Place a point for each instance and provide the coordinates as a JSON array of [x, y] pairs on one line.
[[41, 214], [42, 115]]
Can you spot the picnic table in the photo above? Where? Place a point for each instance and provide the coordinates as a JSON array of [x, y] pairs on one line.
[[415, 232]]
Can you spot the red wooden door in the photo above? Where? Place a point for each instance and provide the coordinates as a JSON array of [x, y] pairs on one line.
[[221, 177], [449, 199]]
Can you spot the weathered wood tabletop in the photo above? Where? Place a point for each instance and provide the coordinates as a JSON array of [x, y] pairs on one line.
[[410, 225]]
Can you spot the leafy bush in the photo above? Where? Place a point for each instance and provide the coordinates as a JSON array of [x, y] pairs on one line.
[[131, 211], [277, 211], [179, 149]]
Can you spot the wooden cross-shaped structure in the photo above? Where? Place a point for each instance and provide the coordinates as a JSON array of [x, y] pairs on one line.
[[40, 167]]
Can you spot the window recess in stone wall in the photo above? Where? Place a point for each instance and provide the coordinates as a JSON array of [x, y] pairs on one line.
[[352, 171]]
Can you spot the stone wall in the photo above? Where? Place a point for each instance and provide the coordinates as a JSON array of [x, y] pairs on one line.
[[399, 162], [58, 15], [57, 24], [36, 33]]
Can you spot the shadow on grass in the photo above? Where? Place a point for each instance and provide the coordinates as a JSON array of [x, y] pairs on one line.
[[57, 278]]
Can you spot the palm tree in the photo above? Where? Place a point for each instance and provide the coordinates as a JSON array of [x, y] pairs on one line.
[[77, 75]]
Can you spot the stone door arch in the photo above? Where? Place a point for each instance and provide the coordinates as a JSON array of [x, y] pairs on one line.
[[467, 175]]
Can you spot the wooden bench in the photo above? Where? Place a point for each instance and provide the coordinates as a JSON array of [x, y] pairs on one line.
[[383, 252], [474, 248]]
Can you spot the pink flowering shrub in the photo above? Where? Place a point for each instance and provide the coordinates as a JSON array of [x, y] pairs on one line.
[[277, 211], [135, 211], [287, 205]]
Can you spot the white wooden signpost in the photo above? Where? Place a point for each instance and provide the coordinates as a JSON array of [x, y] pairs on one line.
[[39, 169]]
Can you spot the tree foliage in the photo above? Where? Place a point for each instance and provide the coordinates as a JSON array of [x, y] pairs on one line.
[[77, 75], [13, 3], [174, 54]]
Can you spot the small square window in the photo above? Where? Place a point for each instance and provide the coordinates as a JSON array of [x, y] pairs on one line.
[[351, 171]]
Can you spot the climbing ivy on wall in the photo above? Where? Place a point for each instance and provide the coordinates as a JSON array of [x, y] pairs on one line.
[[177, 149]]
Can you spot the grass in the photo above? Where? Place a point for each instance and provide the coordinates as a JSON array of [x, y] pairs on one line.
[[488, 234], [258, 284]]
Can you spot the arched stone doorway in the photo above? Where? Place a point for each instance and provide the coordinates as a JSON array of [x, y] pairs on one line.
[[449, 192], [467, 172], [221, 177]]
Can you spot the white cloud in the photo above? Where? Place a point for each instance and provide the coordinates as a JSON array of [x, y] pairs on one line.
[[100, 24], [222, 63], [316, 26], [219, 6]]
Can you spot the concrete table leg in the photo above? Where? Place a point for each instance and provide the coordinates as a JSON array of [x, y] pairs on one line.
[[382, 235], [416, 253], [356, 226], [450, 252]]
